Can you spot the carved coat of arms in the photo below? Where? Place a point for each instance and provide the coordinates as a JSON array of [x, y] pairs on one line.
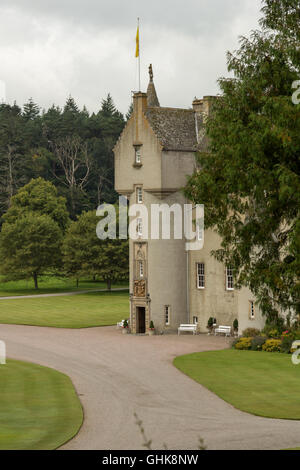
[[140, 288]]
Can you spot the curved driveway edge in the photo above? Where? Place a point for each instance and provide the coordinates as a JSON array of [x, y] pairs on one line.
[[116, 375]]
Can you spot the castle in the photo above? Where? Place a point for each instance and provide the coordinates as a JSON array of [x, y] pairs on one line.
[[169, 284]]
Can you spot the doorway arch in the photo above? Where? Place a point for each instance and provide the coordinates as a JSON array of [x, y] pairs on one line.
[[141, 320]]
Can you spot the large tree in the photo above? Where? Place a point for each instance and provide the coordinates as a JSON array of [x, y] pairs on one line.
[[29, 246], [12, 144], [248, 178], [32, 232], [105, 127], [86, 255], [41, 197]]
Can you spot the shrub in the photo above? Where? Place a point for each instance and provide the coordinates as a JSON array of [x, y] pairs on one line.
[[234, 341], [243, 343], [251, 332], [274, 333], [272, 345], [151, 326], [211, 322], [296, 334], [286, 344], [273, 330], [125, 324], [257, 343], [292, 333]]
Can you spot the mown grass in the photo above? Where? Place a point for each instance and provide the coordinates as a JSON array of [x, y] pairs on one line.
[[39, 408], [73, 311], [49, 284], [261, 383]]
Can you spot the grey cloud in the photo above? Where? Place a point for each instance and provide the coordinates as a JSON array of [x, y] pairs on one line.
[[189, 16], [52, 49]]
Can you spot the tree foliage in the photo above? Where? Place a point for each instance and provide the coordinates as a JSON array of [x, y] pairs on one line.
[[32, 232], [85, 254], [68, 147], [40, 197], [249, 177]]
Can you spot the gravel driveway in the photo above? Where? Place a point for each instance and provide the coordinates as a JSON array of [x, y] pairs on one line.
[[116, 375]]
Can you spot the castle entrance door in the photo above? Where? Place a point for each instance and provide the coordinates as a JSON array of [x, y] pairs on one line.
[[141, 320]]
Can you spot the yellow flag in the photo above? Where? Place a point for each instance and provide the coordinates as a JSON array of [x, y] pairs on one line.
[[137, 41]]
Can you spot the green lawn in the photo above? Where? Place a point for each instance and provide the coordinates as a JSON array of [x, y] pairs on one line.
[[261, 383], [39, 408], [49, 285], [74, 311]]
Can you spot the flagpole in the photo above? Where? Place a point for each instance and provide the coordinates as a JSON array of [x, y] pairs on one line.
[[139, 56]]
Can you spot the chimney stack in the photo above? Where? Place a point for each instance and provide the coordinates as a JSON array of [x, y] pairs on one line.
[[139, 102], [203, 105]]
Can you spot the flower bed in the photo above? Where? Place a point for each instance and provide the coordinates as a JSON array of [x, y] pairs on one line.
[[270, 339]]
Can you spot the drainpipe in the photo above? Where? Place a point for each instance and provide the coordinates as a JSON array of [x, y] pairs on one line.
[[187, 278], [187, 287]]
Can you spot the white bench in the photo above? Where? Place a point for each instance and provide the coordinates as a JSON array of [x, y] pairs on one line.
[[223, 329], [184, 327]]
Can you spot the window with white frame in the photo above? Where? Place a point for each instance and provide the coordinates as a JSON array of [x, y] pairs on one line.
[[139, 195], [138, 155], [229, 278], [251, 310], [200, 275], [167, 314], [141, 269], [139, 226]]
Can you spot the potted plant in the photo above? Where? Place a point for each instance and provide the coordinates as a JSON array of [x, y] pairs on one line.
[[151, 329], [235, 327], [125, 329], [210, 324]]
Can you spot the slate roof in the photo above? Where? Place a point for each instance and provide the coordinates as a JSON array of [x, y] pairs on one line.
[[174, 127]]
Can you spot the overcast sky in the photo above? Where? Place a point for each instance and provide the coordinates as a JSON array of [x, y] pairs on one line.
[[50, 49]]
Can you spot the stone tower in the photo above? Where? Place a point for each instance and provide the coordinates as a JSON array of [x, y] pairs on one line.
[[168, 285], [153, 155]]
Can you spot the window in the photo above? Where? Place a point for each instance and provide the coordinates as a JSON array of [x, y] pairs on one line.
[[229, 278], [139, 195], [251, 310], [141, 268], [195, 320], [167, 314], [139, 226], [200, 275], [138, 159]]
